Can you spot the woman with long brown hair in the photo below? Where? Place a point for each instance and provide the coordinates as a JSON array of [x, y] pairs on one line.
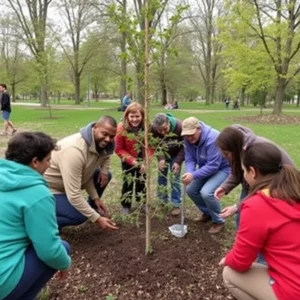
[[233, 142]]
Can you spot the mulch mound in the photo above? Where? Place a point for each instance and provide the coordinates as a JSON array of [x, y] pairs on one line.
[[113, 265], [268, 119]]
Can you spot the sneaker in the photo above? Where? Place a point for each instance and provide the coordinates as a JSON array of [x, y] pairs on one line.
[[175, 212], [14, 131], [203, 218], [216, 228], [125, 211], [4, 133]]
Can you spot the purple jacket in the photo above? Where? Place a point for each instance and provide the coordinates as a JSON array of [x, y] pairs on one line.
[[205, 159]]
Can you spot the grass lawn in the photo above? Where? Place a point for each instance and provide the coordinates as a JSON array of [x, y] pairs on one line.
[[68, 121]]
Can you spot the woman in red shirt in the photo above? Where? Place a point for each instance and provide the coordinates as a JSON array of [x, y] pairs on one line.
[[129, 147], [270, 223]]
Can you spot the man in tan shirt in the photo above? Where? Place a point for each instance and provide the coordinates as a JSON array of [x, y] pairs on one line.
[[82, 163]]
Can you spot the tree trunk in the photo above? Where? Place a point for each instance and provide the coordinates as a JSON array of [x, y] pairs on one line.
[[243, 95], [148, 248], [77, 87], [43, 96], [298, 97], [13, 91], [280, 88], [140, 83], [164, 94], [123, 83]]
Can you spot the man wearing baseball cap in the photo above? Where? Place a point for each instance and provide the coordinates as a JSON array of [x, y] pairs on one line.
[[206, 169]]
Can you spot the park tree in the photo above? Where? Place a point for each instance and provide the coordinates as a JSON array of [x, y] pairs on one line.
[[276, 25], [244, 61], [166, 33], [77, 16], [104, 67], [13, 58], [206, 46], [134, 26], [181, 76], [31, 17]]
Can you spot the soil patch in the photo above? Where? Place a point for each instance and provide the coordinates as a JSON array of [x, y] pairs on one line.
[[113, 265], [268, 119]]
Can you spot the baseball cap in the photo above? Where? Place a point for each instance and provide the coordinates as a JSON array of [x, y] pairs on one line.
[[189, 126]]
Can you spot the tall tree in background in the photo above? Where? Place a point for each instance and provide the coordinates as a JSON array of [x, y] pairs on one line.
[[32, 19], [134, 26], [77, 17], [164, 36], [206, 47], [11, 55], [118, 40], [276, 24]]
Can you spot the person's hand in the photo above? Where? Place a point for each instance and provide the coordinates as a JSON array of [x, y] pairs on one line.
[[62, 275], [222, 262], [142, 169], [219, 193], [187, 178], [176, 168], [161, 165], [106, 224], [103, 179], [228, 211], [101, 208]]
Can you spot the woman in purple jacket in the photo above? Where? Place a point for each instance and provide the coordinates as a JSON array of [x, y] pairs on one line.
[[206, 169]]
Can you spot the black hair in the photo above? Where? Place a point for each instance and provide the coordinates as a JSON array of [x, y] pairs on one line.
[[108, 119], [231, 139], [25, 146]]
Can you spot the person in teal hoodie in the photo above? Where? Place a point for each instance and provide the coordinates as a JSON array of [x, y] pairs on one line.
[[31, 251]]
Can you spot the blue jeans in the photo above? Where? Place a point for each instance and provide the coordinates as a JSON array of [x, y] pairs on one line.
[[35, 276], [67, 214], [174, 181], [201, 191], [243, 195]]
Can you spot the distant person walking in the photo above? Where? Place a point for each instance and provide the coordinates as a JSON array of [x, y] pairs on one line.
[[226, 101], [6, 110]]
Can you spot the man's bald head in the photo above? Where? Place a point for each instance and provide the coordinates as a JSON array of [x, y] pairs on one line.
[[104, 131], [107, 119]]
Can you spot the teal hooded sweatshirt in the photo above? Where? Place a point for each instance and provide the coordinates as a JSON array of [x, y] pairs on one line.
[[27, 216]]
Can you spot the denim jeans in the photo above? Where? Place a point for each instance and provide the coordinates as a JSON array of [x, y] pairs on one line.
[[243, 195], [201, 191], [67, 214], [174, 182], [35, 276]]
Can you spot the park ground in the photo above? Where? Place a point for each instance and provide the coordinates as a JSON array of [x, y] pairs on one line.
[[113, 265]]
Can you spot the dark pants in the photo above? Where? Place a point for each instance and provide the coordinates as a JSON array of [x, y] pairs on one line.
[[35, 276], [132, 175], [67, 214]]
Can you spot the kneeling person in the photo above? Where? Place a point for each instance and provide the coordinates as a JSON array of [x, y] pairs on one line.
[[82, 163], [31, 251]]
